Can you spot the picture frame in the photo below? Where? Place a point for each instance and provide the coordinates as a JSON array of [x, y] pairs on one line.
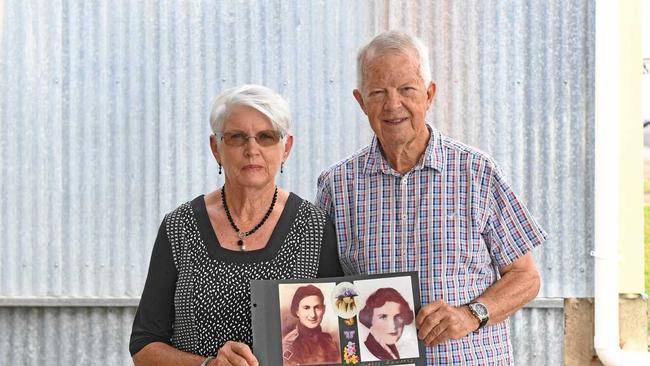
[[352, 320]]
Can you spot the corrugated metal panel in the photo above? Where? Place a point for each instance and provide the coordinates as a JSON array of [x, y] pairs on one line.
[[105, 112], [99, 336], [65, 336], [538, 336], [104, 106]]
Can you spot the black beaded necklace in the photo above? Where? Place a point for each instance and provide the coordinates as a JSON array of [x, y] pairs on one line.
[[240, 234]]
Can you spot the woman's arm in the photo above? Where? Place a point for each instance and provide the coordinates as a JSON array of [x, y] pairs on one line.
[[329, 264], [155, 315], [162, 354], [152, 326]]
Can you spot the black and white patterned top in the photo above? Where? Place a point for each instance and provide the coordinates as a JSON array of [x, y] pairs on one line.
[[197, 294]]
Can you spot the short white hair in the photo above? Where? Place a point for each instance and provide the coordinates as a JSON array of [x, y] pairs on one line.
[[394, 41], [261, 98]]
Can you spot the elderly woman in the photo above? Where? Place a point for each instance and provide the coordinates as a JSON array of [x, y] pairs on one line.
[[385, 315], [195, 307], [307, 344]]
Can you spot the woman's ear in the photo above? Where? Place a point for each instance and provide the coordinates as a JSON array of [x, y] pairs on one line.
[[287, 147], [215, 148]]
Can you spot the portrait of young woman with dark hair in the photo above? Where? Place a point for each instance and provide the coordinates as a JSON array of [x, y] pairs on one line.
[[385, 314]]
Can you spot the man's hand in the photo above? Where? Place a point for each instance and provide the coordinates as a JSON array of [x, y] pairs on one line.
[[234, 354], [438, 322]]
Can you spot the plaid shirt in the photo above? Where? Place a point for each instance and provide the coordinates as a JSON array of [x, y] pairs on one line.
[[453, 218]]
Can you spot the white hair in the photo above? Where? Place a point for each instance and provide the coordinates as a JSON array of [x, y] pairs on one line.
[[261, 98], [394, 41]]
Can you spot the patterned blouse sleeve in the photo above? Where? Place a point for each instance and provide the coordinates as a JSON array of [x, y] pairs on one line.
[[155, 314], [511, 231]]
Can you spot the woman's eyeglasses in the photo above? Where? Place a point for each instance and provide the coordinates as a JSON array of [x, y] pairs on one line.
[[263, 138]]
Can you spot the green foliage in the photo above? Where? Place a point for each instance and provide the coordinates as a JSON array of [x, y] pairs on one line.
[[646, 240]]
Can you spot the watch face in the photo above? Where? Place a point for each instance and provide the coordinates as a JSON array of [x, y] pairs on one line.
[[480, 310]]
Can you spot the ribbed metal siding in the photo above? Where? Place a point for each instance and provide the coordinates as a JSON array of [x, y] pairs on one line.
[[99, 336], [65, 336], [537, 336], [103, 118]]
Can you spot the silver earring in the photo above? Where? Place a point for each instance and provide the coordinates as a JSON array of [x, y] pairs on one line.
[[219, 169]]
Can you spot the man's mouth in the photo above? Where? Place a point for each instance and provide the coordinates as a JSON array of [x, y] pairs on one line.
[[394, 121]]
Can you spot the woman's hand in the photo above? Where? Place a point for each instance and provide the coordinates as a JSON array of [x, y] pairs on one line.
[[234, 354]]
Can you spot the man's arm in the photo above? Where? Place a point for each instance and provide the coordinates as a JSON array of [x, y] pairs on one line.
[[323, 194], [519, 283]]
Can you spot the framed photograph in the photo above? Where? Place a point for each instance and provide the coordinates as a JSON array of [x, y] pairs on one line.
[[355, 320]]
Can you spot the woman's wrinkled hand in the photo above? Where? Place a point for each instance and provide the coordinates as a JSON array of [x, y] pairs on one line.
[[234, 354]]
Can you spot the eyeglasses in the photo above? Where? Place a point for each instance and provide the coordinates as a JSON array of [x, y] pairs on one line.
[[263, 138]]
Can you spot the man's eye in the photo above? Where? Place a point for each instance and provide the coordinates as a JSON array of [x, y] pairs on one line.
[[383, 316], [238, 136], [376, 93]]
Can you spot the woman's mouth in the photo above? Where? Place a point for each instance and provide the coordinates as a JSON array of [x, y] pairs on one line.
[[252, 167]]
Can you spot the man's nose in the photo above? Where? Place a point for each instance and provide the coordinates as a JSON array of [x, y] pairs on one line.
[[393, 100]]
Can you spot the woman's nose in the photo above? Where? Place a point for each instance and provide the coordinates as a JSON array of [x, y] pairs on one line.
[[395, 325], [251, 146]]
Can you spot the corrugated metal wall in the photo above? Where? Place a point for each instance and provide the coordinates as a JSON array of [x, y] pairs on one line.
[[100, 335], [103, 129]]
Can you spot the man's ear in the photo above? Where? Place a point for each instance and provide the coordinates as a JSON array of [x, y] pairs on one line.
[[359, 98], [431, 92]]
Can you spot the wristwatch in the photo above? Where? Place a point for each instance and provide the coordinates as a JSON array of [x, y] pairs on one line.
[[480, 312]]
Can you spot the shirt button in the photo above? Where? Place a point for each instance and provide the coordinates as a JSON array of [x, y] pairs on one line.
[[403, 217]]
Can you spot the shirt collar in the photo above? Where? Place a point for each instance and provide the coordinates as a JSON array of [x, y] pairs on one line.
[[432, 157]]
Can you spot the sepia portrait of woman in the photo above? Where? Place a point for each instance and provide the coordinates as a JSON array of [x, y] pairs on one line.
[[385, 314]]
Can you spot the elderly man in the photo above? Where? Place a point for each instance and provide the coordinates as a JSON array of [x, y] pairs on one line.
[[415, 200]]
